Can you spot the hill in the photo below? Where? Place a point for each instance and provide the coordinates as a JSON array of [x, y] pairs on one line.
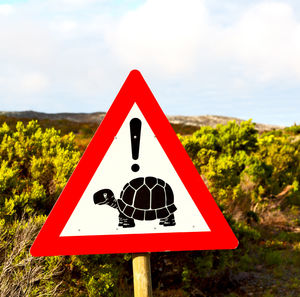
[[97, 117]]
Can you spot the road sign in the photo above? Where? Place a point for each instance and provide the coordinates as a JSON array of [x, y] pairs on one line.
[[134, 190]]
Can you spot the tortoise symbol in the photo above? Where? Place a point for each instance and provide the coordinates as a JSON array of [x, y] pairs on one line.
[[144, 199]]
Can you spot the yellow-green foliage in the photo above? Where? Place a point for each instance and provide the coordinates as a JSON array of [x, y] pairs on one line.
[[65, 126], [243, 167], [244, 171], [34, 167]]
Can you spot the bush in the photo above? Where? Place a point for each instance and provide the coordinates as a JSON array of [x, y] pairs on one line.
[[245, 170], [21, 274], [34, 167]]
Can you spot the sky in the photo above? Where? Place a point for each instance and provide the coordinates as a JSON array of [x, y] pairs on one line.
[[234, 58]]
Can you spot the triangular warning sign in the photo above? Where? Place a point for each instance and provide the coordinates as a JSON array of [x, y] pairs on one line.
[[134, 190]]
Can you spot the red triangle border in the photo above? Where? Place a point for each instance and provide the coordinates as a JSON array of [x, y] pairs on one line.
[[134, 90]]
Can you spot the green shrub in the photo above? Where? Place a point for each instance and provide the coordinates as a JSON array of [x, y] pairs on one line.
[[34, 167], [243, 169], [273, 258]]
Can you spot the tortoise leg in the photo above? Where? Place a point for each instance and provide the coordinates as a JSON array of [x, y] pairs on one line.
[[169, 221], [162, 221], [125, 222], [121, 220]]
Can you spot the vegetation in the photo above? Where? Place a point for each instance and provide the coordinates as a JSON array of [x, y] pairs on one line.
[[65, 126], [254, 179]]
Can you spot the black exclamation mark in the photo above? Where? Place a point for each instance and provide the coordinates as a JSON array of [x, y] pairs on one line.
[[135, 135]]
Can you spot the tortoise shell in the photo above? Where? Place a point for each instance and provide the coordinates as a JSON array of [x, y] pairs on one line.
[[146, 198]]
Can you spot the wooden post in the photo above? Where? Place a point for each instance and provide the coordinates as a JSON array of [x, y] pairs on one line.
[[142, 275]]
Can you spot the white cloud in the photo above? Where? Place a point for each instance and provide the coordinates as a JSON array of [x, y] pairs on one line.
[[168, 38], [6, 9], [176, 36], [79, 2], [162, 35], [65, 26], [69, 6], [33, 83], [79, 51], [266, 40]]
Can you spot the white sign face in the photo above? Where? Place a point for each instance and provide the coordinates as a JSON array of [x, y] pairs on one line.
[[166, 207]]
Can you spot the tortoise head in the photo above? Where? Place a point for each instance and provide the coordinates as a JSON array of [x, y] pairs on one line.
[[103, 196]]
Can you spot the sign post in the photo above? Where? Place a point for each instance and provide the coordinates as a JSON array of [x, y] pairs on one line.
[[142, 275]]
